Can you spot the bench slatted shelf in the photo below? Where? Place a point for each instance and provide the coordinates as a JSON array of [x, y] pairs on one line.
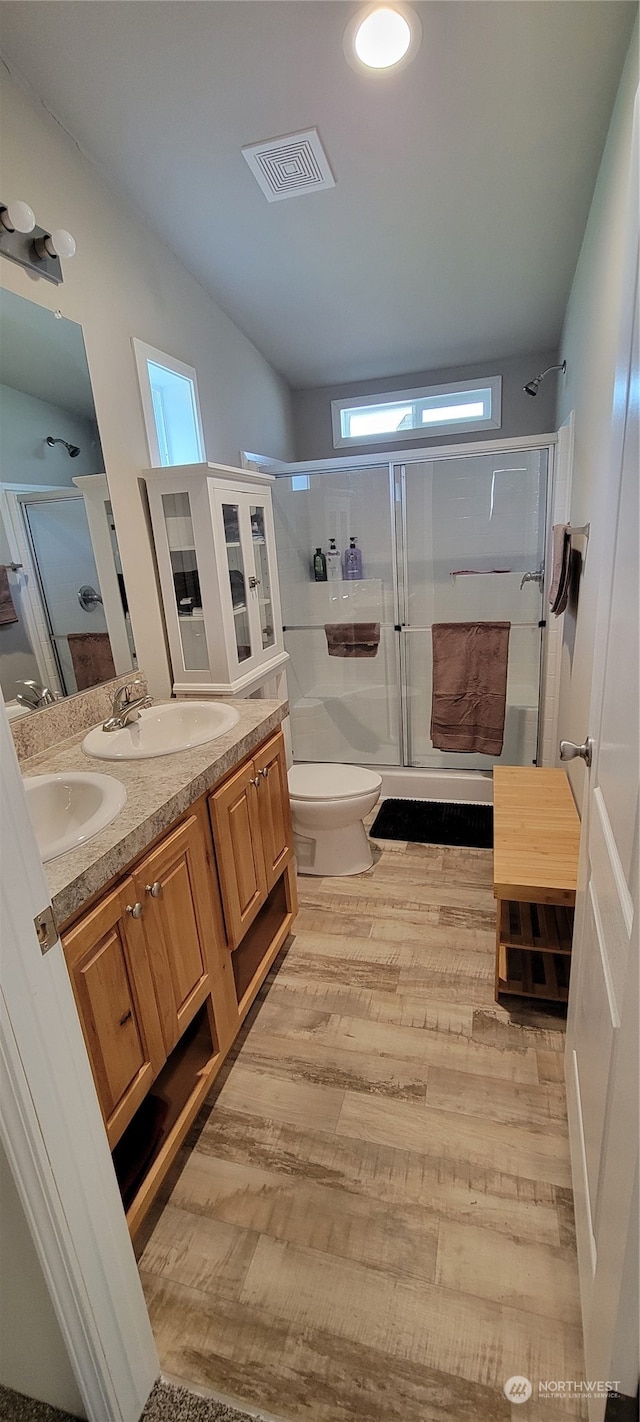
[[536, 845]]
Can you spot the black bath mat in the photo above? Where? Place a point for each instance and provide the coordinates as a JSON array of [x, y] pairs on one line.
[[435, 822]]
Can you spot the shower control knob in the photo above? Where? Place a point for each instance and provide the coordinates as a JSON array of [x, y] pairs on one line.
[[570, 751]]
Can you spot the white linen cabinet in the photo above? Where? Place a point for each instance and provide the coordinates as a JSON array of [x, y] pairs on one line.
[[215, 545]]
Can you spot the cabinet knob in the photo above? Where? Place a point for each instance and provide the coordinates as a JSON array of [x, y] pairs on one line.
[[256, 782], [264, 773], [135, 910], [153, 890]]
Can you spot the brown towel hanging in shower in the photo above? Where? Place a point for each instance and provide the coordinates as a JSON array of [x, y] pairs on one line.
[[7, 610], [352, 639], [469, 686], [92, 658]]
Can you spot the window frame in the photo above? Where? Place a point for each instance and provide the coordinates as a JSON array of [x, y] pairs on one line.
[[393, 397], [143, 353]]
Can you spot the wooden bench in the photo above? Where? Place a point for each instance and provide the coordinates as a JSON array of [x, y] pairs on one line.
[[536, 833]]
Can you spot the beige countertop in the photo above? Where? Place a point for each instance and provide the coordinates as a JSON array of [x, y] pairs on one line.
[[158, 791]]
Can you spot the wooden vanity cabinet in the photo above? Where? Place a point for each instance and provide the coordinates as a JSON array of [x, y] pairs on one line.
[[251, 822], [162, 978], [111, 978]]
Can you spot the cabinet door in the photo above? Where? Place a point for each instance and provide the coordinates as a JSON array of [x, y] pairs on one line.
[[107, 960], [273, 803], [172, 884], [237, 837], [263, 586]]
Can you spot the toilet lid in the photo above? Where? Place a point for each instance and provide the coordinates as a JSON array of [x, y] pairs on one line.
[[331, 782]]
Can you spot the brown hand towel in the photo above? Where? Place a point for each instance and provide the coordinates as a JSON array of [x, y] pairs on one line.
[[560, 577], [7, 610], [352, 639], [92, 658], [469, 686]]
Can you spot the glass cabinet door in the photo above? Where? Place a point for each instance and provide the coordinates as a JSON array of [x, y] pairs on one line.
[[186, 582], [238, 580], [262, 587]]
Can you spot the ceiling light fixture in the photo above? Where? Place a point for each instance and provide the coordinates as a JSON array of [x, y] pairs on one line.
[[382, 37]]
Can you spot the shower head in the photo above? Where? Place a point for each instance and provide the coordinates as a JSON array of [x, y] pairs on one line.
[[72, 449], [532, 386]]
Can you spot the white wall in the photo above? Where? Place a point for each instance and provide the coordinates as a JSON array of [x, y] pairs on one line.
[[589, 344], [521, 415], [33, 1356], [124, 282]]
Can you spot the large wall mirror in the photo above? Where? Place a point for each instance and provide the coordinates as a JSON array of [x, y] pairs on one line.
[[64, 618]]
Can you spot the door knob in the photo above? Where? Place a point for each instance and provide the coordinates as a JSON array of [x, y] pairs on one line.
[[570, 751], [154, 890], [135, 910]]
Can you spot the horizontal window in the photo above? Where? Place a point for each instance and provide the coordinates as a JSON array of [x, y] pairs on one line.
[[404, 414]]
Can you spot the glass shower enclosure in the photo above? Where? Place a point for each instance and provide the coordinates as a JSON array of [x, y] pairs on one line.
[[457, 538]]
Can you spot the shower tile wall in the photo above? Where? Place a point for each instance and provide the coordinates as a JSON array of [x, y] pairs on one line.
[[474, 514]]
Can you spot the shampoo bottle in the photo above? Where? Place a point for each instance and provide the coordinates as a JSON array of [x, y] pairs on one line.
[[319, 566], [353, 561], [334, 563]]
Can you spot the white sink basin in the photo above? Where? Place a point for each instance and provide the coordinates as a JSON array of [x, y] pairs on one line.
[[68, 809], [162, 730]]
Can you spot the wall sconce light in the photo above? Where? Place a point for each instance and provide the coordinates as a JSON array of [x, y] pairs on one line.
[[31, 246]]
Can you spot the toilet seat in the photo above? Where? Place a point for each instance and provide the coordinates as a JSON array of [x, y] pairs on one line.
[[324, 781]]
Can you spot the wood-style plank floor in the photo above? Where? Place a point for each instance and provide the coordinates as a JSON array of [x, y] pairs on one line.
[[372, 1220]]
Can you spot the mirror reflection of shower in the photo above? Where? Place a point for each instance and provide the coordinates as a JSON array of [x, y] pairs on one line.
[[73, 450]]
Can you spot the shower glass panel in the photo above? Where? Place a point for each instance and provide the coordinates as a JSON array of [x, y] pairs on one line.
[[472, 527], [343, 678]]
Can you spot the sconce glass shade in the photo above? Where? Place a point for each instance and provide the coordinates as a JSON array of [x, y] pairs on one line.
[[60, 243], [17, 216]]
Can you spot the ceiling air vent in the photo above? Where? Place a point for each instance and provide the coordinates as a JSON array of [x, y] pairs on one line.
[[290, 166]]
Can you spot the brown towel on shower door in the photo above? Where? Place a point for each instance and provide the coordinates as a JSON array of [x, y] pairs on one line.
[[352, 639], [7, 610], [92, 658], [469, 686]]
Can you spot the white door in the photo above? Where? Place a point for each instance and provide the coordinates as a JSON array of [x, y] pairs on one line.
[[602, 1033]]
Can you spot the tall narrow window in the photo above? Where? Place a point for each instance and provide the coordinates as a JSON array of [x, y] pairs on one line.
[[171, 408]]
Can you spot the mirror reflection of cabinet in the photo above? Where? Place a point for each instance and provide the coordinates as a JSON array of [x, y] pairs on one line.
[[215, 543]]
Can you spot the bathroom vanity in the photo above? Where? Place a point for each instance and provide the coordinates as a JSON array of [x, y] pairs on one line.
[[170, 920]]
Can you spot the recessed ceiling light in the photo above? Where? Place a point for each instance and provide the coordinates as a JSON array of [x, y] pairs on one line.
[[382, 36]]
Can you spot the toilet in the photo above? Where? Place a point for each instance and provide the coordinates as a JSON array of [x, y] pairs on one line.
[[328, 805]]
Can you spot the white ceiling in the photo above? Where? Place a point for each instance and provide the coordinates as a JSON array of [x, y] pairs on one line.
[[463, 181]]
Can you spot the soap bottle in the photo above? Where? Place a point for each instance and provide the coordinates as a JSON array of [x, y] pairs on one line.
[[319, 566], [353, 561], [334, 563]]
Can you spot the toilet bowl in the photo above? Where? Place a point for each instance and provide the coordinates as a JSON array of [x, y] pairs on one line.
[[328, 805]]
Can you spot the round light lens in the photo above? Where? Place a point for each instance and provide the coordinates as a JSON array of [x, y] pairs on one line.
[[17, 216], [61, 243], [382, 39]]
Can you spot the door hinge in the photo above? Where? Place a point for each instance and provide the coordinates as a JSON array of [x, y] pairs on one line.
[[542, 624], [46, 929]]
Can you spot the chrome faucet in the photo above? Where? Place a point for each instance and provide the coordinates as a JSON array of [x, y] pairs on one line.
[[125, 706], [34, 695]]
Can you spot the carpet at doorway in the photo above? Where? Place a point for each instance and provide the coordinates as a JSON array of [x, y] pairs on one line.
[[435, 822], [166, 1404]]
